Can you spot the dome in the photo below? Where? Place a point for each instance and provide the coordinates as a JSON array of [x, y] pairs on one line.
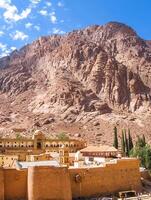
[[38, 134]]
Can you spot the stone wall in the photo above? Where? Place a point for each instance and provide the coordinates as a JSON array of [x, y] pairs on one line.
[[43, 183], [123, 175], [13, 184], [1, 184], [48, 183]]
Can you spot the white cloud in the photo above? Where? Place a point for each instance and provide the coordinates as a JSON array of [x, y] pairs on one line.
[[18, 35], [4, 50], [48, 4], [3, 47], [3, 54], [4, 3], [43, 12], [25, 13], [53, 17], [13, 48], [7, 51], [35, 1], [11, 11], [57, 31], [37, 28], [59, 4], [1, 33], [28, 25]]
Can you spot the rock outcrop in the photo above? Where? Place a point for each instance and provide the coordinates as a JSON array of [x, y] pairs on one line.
[[80, 77]]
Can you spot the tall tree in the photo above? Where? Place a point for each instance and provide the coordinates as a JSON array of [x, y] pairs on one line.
[[143, 153], [123, 143], [126, 143], [130, 141], [143, 140], [147, 157], [115, 143]]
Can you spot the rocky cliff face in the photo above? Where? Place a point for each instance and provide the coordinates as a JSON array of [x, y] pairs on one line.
[[94, 76]]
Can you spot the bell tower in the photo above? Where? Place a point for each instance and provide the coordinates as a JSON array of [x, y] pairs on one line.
[[64, 155], [38, 138]]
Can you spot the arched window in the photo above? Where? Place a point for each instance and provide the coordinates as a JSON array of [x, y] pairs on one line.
[[54, 144], [71, 145]]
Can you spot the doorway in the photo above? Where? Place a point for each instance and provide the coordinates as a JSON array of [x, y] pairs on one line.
[[39, 145]]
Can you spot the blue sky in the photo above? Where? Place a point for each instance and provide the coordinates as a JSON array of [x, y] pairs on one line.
[[22, 21]]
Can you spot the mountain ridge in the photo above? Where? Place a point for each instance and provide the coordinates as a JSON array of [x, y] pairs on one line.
[[92, 76]]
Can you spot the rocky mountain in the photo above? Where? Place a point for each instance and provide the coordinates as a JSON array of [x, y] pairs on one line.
[[83, 82]]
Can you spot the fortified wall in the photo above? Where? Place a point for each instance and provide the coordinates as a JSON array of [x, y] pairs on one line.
[[62, 183]]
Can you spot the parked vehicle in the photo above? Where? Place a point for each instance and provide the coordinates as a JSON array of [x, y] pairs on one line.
[[126, 194]]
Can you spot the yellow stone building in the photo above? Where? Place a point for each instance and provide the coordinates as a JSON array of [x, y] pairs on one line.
[[23, 178], [64, 155], [8, 160], [35, 149], [40, 142]]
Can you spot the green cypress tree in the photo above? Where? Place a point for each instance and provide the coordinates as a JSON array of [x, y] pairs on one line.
[[147, 157], [142, 150], [132, 145], [115, 143], [123, 143], [143, 140], [126, 144], [130, 141]]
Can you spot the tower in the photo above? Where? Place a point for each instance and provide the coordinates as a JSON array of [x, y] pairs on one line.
[[64, 155], [38, 138]]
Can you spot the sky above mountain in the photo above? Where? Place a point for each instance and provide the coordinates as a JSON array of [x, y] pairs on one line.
[[22, 21]]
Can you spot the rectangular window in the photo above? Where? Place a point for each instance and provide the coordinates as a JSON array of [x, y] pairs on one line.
[[91, 159]]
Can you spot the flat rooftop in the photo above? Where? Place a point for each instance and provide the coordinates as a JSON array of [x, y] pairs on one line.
[[24, 165], [100, 148]]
